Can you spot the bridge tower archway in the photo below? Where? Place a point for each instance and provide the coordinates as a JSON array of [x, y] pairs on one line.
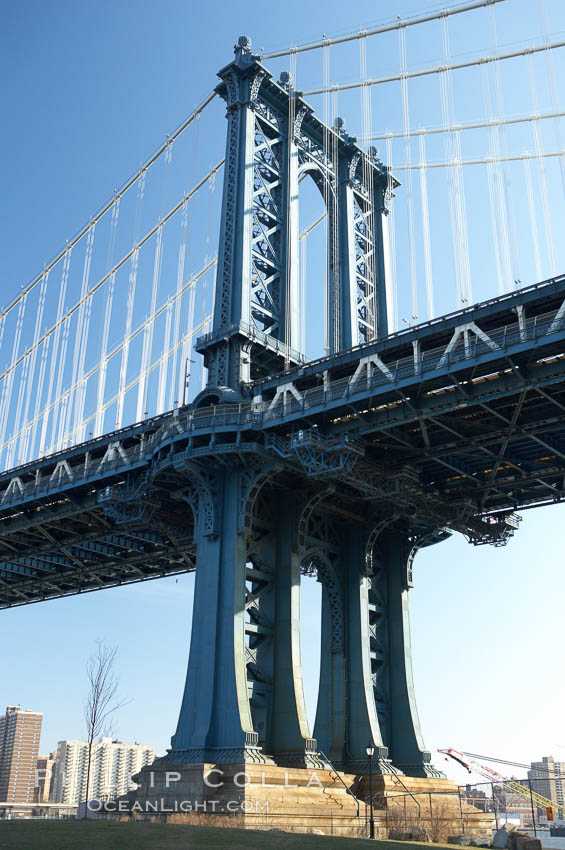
[[273, 137]]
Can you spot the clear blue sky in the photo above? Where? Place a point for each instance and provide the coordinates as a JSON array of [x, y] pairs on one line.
[[90, 88]]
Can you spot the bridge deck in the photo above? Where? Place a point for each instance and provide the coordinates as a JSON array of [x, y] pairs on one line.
[[458, 421]]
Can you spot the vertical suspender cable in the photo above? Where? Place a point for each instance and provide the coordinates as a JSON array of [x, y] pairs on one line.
[[542, 174], [327, 192], [183, 352], [177, 373], [132, 282], [56, 361], [506, 222], [142, 388], [288, 308], [30, 449], [22, 384], [554, 95], [303, 272], [208, 326], [533, 218], [426, 228], [81, 338], [163, 365], [59, 412], [31, 388], [186, 361], [408, 162], [392, 298], [492, 177], [335, 270], [103, 366], [9, 380], [456, 186]]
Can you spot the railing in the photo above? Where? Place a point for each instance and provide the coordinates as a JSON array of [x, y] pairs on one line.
[[339, 776], [403, 332], [258, 414]]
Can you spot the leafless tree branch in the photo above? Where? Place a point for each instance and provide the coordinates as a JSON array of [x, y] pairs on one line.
[[102, 700]]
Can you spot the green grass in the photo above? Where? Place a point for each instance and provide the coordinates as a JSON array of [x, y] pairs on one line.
[[111, 835]]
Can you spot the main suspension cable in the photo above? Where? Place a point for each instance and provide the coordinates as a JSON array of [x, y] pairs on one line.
[[397, 24], [438, 69], [478, 125]]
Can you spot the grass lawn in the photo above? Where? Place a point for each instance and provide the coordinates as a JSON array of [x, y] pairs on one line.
[[108, 835]]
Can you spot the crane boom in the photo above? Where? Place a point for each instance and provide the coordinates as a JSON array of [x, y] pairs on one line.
[[471, 764]]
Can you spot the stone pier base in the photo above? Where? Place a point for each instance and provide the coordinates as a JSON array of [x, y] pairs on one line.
[[301, 800]]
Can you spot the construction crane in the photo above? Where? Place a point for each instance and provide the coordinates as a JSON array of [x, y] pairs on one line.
[[471, 764]]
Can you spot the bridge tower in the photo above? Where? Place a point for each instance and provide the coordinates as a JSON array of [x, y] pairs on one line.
[[274, 140], [258, 526]]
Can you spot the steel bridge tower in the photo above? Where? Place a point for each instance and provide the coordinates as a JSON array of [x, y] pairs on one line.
[[255, 531], [274, 140]]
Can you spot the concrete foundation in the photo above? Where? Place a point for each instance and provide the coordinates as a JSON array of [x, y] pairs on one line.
[[301, 800]]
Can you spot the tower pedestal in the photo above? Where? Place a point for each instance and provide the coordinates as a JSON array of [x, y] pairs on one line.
[[266, 796]]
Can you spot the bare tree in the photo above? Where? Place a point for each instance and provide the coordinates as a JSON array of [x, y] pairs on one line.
[[102, 700]]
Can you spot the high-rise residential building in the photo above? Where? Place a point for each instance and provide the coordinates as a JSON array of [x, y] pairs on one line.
[[548, 779], [43, 776], [19, 745], [113, 764]]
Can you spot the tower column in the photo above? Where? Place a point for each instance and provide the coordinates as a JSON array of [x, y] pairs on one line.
[[363, 657], [215, 722], [290, 740], [329, 729], [406, 743]]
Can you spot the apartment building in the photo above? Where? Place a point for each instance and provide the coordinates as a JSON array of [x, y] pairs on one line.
[[20, 730], [113, 764]]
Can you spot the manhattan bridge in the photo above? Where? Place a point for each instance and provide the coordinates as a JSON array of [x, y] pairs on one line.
[[161, 410]]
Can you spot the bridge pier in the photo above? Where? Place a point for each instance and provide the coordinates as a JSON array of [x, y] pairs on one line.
[[244, 695]]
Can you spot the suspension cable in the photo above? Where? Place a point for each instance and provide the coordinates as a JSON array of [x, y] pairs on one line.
[[154, 365], [478, 125], [150, 233], [190, 285], [438, 69], [448, 163], [408, 22], [108, 206]]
